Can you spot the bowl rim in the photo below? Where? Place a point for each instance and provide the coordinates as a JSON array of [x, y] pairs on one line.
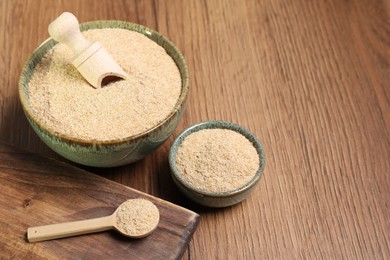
[[153, 35], [215, 124]]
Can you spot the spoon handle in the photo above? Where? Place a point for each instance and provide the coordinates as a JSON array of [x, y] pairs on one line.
[[54, 231], [66, 29]]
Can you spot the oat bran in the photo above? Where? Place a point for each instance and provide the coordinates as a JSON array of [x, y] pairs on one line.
[[65, 103], [137, 217], [217, 160]]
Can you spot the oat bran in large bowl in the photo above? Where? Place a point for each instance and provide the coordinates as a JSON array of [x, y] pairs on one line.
[[119, 123]]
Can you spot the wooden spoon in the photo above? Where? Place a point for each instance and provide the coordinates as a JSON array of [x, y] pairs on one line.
[[91, 59], [134, 218]]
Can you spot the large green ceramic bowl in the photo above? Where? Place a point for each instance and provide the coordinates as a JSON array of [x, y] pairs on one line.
[[209, 198], [110, 153]]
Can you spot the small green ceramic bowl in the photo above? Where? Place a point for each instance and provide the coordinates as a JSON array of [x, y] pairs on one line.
[[110, 153], [215, 199]]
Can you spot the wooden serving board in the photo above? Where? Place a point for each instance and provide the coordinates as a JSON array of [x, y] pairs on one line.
[[35, 191]]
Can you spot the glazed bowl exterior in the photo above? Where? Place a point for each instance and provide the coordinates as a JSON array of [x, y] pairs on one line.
[[107, 153], [215, 199]]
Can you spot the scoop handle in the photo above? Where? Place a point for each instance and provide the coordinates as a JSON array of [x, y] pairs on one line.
[[54, 231], [66, 29]]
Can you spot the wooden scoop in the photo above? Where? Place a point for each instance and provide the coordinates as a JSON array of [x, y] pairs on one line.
[[93, 62], [134, 218]]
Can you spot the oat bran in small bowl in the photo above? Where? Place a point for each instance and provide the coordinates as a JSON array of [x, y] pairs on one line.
[[117, 124], [216, 163]]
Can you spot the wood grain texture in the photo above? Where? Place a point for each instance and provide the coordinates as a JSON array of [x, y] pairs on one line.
[[37, 191], [309, 78]]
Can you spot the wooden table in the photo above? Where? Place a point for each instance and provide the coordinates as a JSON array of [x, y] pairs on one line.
[[309, 78]]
